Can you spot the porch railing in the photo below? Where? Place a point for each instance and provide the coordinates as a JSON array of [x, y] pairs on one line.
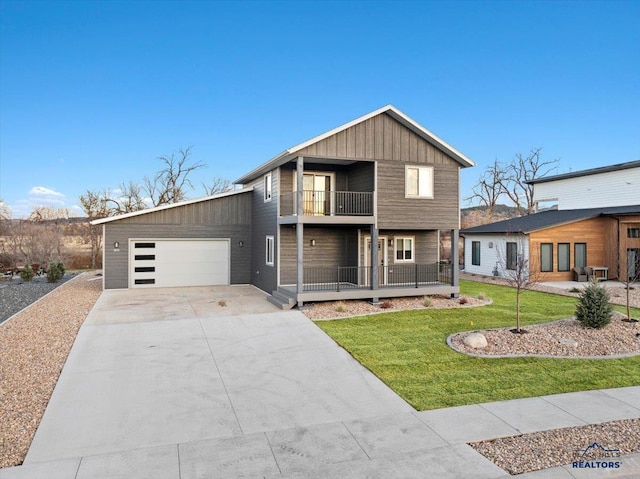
[[359, 277], [328, 203]]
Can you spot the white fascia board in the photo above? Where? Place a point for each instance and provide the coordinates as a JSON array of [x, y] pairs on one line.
[[169, 206]]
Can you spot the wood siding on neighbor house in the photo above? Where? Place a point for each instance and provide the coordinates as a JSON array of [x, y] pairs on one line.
[[264, 223], [623, 223], [227, 217], [393, 145], [592, 231]]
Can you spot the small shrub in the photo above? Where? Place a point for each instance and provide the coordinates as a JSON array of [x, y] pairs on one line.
[[27, 274], [222, 303], [593, 309], [341, 307], [55, 272], [463, 300], [427, 302], [574, 290], [481, 296], [386, 304]]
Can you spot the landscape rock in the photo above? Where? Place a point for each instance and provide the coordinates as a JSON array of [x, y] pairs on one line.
[[476, 341], [572, 343]]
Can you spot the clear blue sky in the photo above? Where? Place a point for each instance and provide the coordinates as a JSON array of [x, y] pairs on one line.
[[91, 92]]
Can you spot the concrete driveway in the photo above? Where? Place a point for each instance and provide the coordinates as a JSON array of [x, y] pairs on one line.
[[175, 366]]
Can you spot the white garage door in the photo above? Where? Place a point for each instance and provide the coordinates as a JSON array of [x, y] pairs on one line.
[[167, 263]]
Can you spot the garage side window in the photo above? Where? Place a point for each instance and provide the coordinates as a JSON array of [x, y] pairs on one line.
[[270, 250], [267, 187]]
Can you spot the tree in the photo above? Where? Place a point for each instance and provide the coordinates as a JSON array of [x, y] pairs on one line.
[[511, 180], [169, 185], [514, 266], [488, 190], [217, 186], [126, 199], [94, 205]]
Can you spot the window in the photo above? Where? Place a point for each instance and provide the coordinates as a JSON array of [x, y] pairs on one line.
[[546, 257], [633, 232], [633, 264], [267, 187], [580, 254], [404, 249], [564, 263], [512, 255], [269, 251], [475, 253], [419, 182]]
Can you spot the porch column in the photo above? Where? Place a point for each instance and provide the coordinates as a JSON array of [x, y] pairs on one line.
[[299, 229], [374, 258], [454, 260]]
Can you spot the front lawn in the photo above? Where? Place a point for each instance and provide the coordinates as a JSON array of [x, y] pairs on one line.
[[407, 350]]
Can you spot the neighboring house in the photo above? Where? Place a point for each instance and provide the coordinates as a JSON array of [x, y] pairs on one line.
[[596, 224], [302, 226]]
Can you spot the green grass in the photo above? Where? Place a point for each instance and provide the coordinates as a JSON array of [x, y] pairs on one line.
[[407, 350]]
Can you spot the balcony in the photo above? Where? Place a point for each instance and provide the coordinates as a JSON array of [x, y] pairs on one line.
[[329, 204]]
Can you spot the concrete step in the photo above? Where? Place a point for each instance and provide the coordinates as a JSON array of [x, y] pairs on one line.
[[281, 298]]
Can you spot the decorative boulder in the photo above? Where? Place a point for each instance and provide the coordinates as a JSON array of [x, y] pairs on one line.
[[475, 341], [572, 343]]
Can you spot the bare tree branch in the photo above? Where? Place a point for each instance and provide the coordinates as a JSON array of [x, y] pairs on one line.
[[170, 184], [217, 186]]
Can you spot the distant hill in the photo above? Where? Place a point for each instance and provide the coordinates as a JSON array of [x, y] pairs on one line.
[[478, 215]]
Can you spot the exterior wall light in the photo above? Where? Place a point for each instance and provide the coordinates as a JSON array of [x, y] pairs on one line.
[[240, 243], [116, 245], [313, 242]]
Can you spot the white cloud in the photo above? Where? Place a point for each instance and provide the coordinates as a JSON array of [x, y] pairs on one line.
[[44, 191]]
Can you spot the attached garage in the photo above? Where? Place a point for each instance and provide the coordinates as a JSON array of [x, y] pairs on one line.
[[202, 242], [164, 263]]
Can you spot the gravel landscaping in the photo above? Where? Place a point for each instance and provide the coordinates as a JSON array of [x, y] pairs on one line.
[[16, 294], [35, 345], [542, 450], [565, 338]]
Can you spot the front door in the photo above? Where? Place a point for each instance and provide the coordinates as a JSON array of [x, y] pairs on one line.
[[382, 259]]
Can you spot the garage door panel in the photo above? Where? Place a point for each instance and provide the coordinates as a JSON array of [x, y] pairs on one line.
[[169, 263]]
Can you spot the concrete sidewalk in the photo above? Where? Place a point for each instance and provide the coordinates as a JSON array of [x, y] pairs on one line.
[[164, 386]]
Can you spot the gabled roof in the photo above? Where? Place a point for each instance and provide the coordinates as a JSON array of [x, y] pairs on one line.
[[172, 205], [548, 219], [390, 110], [592, 171]]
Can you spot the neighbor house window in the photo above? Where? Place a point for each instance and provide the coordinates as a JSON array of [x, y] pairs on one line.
[[546, 257], [512, 255], [404, 249], [270, 250], [633, 233], [267, 187], [564, 263], [580, 254], [475, 253], [419, 182], [633, 264]]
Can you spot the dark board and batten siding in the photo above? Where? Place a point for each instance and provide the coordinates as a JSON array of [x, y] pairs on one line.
[[228, 217], [264, 223], [393, 145]]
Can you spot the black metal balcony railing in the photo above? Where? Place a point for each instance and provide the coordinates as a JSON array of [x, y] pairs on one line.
[[359, 277], [328, 203]]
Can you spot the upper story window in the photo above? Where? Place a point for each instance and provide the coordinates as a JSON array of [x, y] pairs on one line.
[[405, 249], [267, 187], [418, 182], [633, 233]]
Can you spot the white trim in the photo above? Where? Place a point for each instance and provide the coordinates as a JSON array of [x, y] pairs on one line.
[[269, 251], [395, 249], [388, 109], [172, 205]]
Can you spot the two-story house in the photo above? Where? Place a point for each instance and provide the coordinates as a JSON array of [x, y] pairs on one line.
[[594, 223], [353, 213]]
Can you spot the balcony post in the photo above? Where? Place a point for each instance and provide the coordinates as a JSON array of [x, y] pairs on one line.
[[299, 180], [374, 258], [454, 260]]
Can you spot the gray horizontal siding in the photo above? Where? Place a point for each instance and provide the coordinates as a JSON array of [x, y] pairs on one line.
[[426, 247], [264, 222]]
